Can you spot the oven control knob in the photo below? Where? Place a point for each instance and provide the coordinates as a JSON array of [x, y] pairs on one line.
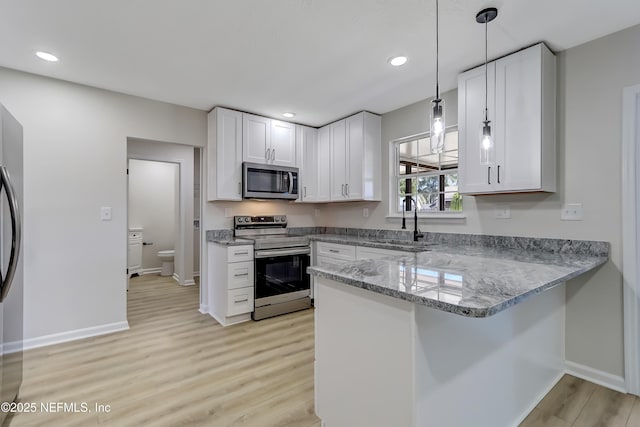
[[282, 219], [276, 219], [247, 219], [240, 219]]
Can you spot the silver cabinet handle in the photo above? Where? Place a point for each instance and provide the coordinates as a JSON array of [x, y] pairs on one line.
[[342, 189], [498, 174], [489, 175], [346, 190], [241, 300], [16, 231], [273, 154], [239, 188], [241, 274], [305, 191], [334, 251], [267, 152], [241, 253]]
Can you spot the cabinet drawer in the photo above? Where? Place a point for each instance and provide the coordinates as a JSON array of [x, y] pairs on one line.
[[239, 274], [239, 301], [344, 252], [240, 253]]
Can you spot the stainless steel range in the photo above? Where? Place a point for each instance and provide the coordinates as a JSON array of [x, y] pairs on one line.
[[281, 281]]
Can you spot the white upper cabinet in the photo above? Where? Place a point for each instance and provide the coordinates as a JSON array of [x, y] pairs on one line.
[[268, 141], [283, 143], [307, 149], [355, 158], [339, 154], [324, 164], [224, 155], [256, 138], [522, 110]]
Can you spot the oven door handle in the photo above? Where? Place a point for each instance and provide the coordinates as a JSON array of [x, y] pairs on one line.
[[282, 252]]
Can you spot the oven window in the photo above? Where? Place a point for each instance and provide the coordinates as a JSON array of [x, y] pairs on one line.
[[281, 275]]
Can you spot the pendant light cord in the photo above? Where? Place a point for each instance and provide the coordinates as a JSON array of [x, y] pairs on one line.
[[437, 52], [486, 79]]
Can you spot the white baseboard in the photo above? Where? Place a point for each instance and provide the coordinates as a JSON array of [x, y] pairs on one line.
[[61, 337], [149, 271], [196, 274], [189, 283], [539, 398], [204, 309], [605, 379]]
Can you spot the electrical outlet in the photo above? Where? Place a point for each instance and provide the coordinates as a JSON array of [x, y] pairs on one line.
[[571, 212], [105, 213], [502, 212], [365, 212], [228, 212]]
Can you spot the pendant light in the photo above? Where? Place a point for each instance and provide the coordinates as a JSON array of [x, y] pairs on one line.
[[437, 109], [486, 139]]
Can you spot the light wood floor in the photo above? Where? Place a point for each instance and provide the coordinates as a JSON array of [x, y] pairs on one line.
[[176, 367]]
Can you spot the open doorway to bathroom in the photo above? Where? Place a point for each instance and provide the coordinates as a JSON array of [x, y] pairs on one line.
[[153, 217], [163, 211]]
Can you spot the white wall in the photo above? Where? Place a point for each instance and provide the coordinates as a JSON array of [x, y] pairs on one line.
[[590, 82], [152, 206], [197, 207], [183, 156], [75, 154]]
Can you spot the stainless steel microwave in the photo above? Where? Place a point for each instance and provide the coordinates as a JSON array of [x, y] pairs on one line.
[[269, 181]]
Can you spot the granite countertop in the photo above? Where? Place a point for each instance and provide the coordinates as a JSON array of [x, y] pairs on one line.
[[472, 281]]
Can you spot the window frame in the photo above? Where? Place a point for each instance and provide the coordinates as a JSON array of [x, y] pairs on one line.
[[395, 177]]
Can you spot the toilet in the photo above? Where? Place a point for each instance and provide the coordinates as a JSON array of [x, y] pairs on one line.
[[167, 262]]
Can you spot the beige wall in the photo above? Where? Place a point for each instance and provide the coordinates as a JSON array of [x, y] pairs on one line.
[[75, 158], [590, 82]]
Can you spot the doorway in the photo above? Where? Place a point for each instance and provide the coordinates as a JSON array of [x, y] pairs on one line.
[[153, 214], [631, 235], [188, 204]]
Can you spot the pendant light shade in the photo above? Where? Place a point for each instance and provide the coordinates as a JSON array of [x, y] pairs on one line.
[[437, 128], [486, 138]]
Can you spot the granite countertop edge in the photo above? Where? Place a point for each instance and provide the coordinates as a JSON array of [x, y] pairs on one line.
[[474, 312]]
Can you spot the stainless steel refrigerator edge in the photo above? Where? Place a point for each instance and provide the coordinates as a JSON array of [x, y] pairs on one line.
[[12, 271]]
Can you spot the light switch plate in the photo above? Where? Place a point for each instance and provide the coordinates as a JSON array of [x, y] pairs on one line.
[[503, 212], [571, 212], [105, 213]]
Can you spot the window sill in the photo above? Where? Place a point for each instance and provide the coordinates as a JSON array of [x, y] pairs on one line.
[[438, 216]]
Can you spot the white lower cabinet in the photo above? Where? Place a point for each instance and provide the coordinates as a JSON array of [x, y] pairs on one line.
[[231, 274], [363, 252]]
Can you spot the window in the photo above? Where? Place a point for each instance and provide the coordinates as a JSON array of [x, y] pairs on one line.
[[429, 179]]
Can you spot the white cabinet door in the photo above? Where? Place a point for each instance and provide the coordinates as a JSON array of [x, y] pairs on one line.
[[338, 132], [283, 144], [307, 144], [363, 252], [224, 155], [518, 87], [324, 164], [256, 139], [475, 177], [355, 157], [135, 257]]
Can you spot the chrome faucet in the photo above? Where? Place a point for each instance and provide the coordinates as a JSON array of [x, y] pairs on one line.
[[416, 233]]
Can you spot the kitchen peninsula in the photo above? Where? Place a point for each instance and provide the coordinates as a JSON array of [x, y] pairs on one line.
[[461, 334]]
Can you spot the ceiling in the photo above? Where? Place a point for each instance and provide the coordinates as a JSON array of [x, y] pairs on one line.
[[322, 59]]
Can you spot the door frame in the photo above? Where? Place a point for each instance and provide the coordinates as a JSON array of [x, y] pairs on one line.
[[631, 236]]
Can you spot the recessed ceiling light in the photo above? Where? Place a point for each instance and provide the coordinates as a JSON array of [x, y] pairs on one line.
[[397, 61], [289, 115], [47, 56]]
